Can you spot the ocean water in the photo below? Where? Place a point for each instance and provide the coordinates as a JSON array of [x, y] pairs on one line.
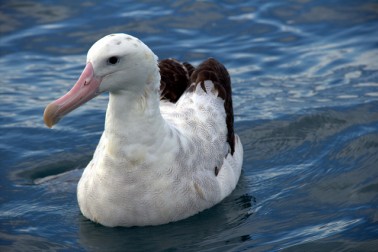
[[305, 90]]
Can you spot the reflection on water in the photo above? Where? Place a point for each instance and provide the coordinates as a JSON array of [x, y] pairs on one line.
[[305, 90]]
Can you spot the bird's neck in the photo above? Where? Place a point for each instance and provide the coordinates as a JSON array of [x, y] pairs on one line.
[[136, 118]]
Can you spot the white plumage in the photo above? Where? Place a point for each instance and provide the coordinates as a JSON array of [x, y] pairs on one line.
[[156, 160]]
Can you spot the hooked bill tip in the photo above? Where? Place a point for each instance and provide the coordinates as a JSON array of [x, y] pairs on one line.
[[50, 115]]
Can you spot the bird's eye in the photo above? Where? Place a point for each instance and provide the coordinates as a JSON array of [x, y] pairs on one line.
[[113, 60]]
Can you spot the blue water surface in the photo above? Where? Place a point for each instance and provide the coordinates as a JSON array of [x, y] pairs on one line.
[[305, 93]]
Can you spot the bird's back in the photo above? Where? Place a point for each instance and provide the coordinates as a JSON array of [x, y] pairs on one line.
[[203, 113]]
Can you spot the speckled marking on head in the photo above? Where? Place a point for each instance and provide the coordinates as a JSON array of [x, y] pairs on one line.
[[148, 55], [150, 79]]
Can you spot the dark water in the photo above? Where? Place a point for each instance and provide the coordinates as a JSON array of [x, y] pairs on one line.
[[305, 81]]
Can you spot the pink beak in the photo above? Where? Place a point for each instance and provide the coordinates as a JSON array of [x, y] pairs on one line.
[[85, 89]]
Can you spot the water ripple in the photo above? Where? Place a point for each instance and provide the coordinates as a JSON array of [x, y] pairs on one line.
[[314, 232]]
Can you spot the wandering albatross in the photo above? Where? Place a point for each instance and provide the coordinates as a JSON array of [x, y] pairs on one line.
[[168, 150]]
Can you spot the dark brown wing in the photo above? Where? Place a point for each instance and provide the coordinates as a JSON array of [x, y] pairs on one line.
[[212, 70], [175, 79]]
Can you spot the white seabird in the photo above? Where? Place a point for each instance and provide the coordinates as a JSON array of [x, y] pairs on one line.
[[168, 150]]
